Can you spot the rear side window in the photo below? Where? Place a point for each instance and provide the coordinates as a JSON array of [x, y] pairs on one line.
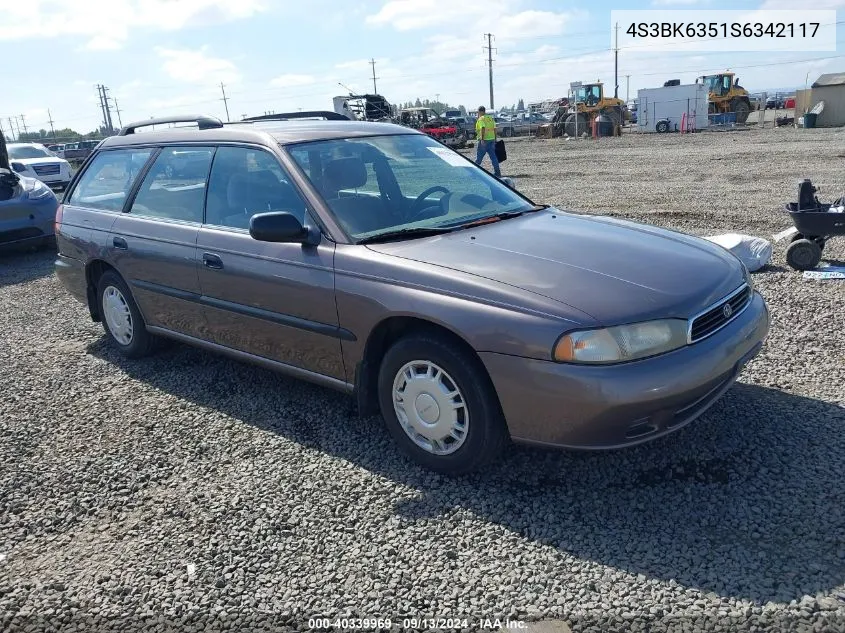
[[109, 178], [174, 188]]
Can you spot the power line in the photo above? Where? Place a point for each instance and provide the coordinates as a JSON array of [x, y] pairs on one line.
[[23, 122], [489, 49]]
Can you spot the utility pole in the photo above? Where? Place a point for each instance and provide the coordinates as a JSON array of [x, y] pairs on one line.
[[225, 100], [23, 122], [52, 130], [489, 49], [117, 109], [106, 100], [616, 65], [102, 104], [627, 88], [373, 64], [12, 129]]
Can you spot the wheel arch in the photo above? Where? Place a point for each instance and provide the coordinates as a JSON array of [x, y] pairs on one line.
[[94, 270], [386, 333]]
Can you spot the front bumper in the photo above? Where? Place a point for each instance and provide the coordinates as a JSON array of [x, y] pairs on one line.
[[608, 407]]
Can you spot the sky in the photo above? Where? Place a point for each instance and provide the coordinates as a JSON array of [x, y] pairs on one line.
[[166, 57]]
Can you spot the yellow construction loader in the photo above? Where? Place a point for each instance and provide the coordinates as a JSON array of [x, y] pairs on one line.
[[588, 101], [726, 95]]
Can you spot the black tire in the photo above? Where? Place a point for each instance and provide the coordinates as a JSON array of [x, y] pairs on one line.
[[486, 431], [662, 127], [615, 115], [141, 343], [742, 109], [803, 254], [507, 132], [583, 126]]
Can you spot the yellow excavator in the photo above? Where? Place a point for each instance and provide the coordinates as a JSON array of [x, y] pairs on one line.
[[726, 95], [588, 101]]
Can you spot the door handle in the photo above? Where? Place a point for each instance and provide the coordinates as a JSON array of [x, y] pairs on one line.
[[211, 261], [120, 243]]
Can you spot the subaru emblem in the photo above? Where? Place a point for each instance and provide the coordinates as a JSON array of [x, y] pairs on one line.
[[727, 310]]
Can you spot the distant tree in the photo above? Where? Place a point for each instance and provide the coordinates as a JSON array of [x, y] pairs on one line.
[[418, 103], [463, 110], [520, 107]]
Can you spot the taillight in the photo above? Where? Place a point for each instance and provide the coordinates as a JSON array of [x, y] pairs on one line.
[[59, 212]]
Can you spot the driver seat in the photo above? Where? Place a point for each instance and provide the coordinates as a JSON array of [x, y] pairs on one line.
[[358, 213]]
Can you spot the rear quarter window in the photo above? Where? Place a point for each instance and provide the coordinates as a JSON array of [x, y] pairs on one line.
[[106, 182]]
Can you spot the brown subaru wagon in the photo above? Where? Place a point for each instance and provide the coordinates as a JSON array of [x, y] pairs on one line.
[[370, 258]]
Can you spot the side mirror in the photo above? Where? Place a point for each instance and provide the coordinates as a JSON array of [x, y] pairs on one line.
[[281, 226]]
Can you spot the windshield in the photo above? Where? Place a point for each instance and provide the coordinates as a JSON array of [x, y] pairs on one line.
[[27, 151], [382, 184]]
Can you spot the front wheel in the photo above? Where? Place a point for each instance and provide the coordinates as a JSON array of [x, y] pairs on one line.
[[440, 406], [803, 254]]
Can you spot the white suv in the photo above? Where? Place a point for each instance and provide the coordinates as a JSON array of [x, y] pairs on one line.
[[36, 161]]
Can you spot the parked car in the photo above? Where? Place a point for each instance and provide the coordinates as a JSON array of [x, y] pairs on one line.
[[370, 258], [27, 207], [36, 161], [527, 123], [503, 126]]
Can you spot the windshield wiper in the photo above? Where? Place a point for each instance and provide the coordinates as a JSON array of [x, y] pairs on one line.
[[403, 233], [504, 215]]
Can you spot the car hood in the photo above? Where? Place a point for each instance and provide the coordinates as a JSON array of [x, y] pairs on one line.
[[46, 160], [614, 270]]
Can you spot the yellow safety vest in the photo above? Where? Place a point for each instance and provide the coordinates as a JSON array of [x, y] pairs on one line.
[[489, 124]]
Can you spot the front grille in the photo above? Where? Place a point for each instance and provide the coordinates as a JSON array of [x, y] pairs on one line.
[[719, 315], [47, 170]]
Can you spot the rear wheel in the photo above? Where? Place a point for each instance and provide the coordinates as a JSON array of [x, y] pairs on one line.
[[121, 318], [439, 405], [803, 254], [615, 115]]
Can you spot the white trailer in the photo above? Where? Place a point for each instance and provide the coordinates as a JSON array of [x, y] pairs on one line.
[[671, 103]]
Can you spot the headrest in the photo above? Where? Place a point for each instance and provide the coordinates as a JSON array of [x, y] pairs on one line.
[[346, 173], [244, 183]]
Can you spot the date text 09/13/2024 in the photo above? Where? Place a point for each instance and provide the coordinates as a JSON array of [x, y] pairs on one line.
[[413, 623]]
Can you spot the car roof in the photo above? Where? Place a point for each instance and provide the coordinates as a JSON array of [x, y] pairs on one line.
[[261, 132]]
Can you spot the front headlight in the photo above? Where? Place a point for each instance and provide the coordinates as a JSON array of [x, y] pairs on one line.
[[39, 190], [621, 343]]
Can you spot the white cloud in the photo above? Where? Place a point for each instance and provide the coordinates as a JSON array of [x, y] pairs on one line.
[[817, 5], [532, 24], [289, 81], [196, 66], [671, 3], [109, 23], [406, 15]]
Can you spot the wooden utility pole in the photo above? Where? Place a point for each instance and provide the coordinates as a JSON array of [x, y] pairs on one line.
[[225, 100], [489, 49], [373, 64]]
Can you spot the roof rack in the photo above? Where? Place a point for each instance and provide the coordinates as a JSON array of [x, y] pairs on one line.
[[204, 122], [287, 116]]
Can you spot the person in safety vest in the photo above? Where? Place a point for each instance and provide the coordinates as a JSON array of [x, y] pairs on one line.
[[485, 132]]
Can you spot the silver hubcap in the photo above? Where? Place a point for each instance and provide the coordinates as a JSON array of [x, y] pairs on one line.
[[430, 407], [117, 315]]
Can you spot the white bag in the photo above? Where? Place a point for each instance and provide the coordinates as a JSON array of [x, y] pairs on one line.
[[754, 252]]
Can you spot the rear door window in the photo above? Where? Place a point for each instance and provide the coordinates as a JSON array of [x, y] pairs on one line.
[[174, 187], [109, 178]]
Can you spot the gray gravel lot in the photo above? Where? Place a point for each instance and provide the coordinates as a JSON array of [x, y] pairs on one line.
[[189, 492]]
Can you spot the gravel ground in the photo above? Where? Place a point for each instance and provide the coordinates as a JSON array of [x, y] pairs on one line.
[[188, 492]]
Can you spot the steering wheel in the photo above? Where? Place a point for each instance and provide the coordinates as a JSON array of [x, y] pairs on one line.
[[416, 211]]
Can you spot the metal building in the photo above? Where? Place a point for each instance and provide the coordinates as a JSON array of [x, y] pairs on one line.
[[830, 88]]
